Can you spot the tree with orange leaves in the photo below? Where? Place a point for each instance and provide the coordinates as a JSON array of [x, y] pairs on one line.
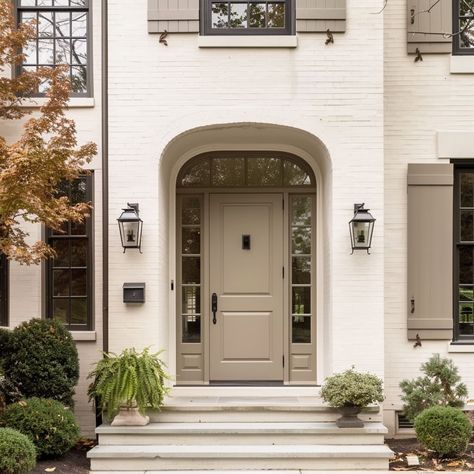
[[44, 156]]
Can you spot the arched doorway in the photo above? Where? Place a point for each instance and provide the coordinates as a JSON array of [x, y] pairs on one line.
[[245, 269]]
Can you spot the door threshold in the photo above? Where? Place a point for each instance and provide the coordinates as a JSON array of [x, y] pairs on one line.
[[245, 390], [246, 383]]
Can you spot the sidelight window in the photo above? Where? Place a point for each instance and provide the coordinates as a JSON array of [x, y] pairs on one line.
[[3, 290]]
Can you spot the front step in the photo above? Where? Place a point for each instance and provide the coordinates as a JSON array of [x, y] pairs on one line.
[[238, 457], [288, 433]]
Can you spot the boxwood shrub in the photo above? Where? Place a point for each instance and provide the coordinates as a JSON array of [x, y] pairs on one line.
[[17, 452], [40, 359], [48, 423], [445, 430]]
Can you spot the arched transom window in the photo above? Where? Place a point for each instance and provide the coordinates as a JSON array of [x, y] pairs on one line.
[[246, 169]]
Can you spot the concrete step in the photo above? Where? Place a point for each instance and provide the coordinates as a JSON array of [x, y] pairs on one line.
[[251, 433], [251, 409], [238, 457]]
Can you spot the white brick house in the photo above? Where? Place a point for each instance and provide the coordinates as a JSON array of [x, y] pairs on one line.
[[349, 115]]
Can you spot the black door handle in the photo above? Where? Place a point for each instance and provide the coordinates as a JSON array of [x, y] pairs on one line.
[[214, 307]]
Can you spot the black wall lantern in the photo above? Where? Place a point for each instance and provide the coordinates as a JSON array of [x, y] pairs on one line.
[[361, 228], [130, 226]]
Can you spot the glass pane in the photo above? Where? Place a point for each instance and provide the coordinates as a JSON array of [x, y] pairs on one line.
[[466, 319], [191, 212], [191, 329], [238, 15], [361, 234], [301, 210], [466, 294], [198, 175], [61, 247], [78, 189], [276, 15], [191, 300], [264, 172], [78, 3], [301, 301], [79, 79], [191, 270], [466, 38], [79, 311], [44, 3], [61, 309], [301, 329], [63, 24], [30, 53], [257, 15], [79, 24], [61, 3], [79, 51], [79, 282], [78, 228], [294, 175], [467, 229], [467, 189], [228, 172], [465, 265], [78, 252], [63, 52], [301, 270], [27, 3], [45, 52], [191, 240], [61, 283], [45, 24], [301, 240], [220, 15]]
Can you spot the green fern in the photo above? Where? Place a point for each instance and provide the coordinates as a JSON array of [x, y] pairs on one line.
[[129, 379]]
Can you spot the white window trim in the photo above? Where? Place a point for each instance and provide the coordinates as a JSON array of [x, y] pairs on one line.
[[73, 102], [84, 335], [455, 144], [461, 64], [229, 41]]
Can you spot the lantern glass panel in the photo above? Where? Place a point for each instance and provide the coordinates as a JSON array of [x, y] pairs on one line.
[[130, 234], [361, 234]]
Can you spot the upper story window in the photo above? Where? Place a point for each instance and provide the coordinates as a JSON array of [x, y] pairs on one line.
[[3, 290], [62, 37], [247, 17], [463, 26]]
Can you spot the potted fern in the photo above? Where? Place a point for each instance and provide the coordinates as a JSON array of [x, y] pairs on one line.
[[124, 386], [349, 392]]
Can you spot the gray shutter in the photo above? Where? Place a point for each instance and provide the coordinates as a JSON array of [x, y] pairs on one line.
[[174, 16], [320, 15], [430, 251], [425, 29]]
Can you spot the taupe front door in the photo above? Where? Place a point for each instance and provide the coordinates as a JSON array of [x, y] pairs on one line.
[[246, 261]]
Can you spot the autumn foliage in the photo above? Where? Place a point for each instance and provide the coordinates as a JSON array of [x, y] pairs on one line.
[[42, 157]]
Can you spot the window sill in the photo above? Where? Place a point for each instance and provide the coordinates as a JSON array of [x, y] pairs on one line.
[[462, 64], [84, 335], [274, 41], [73, 103], [461, 347]]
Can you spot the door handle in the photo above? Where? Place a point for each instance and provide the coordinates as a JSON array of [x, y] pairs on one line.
[[214, 307]]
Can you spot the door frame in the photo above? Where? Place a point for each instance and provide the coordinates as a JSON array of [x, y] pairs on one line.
[[318, 255]]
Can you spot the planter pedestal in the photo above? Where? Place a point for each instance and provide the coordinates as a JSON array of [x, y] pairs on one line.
[[349, 418], [130, 417]]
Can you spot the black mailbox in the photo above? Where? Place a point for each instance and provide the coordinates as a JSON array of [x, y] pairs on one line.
[[134, 292]]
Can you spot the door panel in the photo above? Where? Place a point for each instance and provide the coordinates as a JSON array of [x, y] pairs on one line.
[[246, 343]]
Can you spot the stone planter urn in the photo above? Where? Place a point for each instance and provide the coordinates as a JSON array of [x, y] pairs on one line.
[[349, 418], [130, 416]]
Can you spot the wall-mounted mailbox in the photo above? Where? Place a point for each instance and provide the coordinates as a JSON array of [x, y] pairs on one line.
[[134, 292]]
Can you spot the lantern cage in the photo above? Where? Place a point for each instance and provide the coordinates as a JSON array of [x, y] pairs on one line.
[[130, 226], [361, 228]]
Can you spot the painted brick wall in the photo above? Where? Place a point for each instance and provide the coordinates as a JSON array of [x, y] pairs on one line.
[[334, 92], [420, 99]]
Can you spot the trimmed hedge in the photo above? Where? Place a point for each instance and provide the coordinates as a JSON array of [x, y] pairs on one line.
[[49, 424], [40, 359], [17, 452], [445, 430]]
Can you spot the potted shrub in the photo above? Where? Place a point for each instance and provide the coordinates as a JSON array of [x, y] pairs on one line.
[[349, 392], [126, 385]]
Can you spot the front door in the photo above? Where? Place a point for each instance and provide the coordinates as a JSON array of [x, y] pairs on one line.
[[246, 284]]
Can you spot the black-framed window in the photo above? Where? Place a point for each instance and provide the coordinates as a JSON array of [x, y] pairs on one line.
[[463, 26], [69, 274], [4, 275], [256, 17], [62, 37], [464, 253]]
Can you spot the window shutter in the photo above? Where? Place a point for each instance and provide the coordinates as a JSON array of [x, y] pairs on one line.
[[430, 250], [174, 16], [320, 15], [425, 29]]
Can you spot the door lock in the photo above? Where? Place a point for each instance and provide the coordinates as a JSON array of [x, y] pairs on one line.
[[214, 307]]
